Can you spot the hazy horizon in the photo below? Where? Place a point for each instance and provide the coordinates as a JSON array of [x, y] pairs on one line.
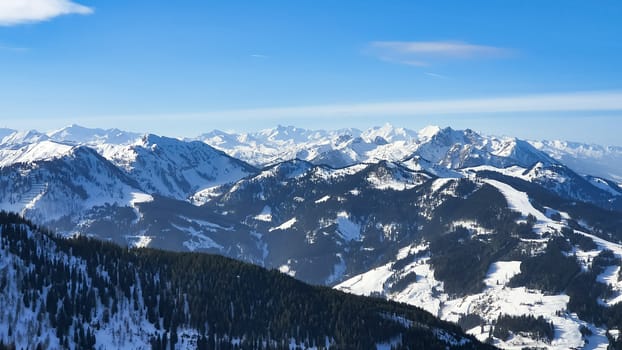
[[361, 128], [517, 68]]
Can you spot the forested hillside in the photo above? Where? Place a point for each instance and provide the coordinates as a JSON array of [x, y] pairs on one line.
[[86, 294]]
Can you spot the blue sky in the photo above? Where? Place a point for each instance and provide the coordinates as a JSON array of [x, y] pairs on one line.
[[533, 69]]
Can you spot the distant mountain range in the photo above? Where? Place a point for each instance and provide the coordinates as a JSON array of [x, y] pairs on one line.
[[478, 230], [349, 146]]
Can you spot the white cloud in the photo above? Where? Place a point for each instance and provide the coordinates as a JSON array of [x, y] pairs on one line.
[[13, 12], [424, 53], [435, 75], [565, 102], [441, 48]]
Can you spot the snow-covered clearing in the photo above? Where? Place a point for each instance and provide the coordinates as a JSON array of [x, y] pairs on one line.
[[610, 275], [496, 299], [439, 183], [348, 229], [390, 184], [517, 200]]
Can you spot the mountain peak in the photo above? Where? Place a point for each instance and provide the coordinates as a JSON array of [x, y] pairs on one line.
[[388, 133], [4, 132], [83, 135], [153, 139], [24, 137], [33, 152], [428, 132], [288, 133], [448, 137]]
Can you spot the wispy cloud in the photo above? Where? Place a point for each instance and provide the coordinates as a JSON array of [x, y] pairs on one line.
[[493, 107], [259, 56], [14, 12], [436, 75], [565, 102], [426, 53], [13, 48]]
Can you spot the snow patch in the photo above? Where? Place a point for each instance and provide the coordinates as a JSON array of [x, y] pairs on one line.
[[517, 200], [198, 239], [322, 200], [284, 226], [265, 215], [139, 241], [439, 183], [603, 185], [348, 229], [286, 269], [501, 272]]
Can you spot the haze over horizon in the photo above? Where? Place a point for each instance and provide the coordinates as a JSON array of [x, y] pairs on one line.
[[521, 68]]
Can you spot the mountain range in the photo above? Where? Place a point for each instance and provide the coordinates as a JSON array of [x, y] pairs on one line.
[[349, 146], [480, 230]]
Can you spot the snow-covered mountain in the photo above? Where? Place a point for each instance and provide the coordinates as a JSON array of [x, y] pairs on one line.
[[444, 146], [481, 247], [76, 186], [458, 223], [602, 161], [424, 273], [271, 146], [92, 136], [72, 134], [4, 132], [175, 168], [54, 183], [192, 171], [455, 149], [13, 138]]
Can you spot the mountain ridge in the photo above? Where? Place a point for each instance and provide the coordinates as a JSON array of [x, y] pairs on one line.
[[586, 159]]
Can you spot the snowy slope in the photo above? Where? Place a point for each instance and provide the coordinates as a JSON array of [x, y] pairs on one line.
[[13, 138], [51, 181], [33, 152], [497, 297], [561, 180], [174, 168], [24, 325], [4, 132]]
